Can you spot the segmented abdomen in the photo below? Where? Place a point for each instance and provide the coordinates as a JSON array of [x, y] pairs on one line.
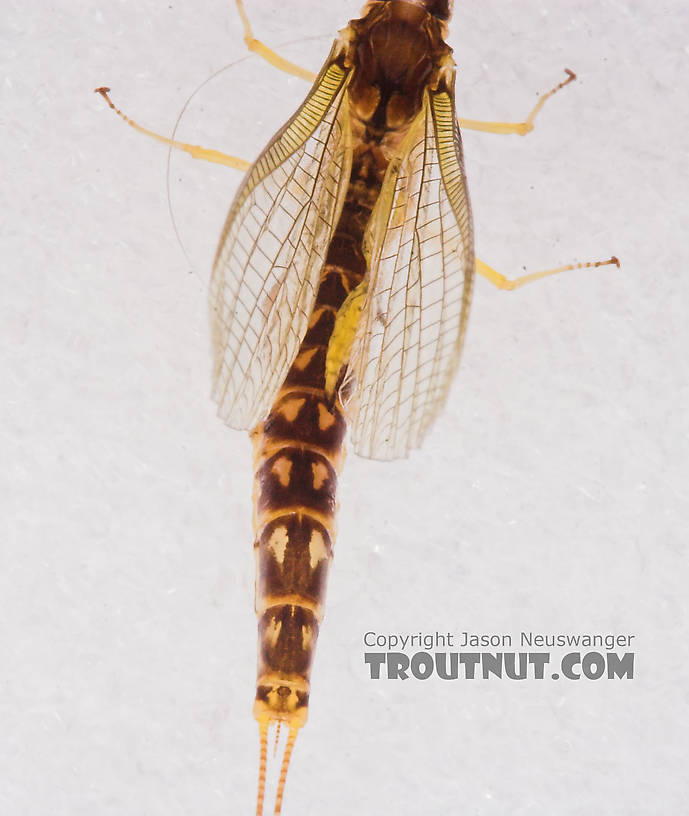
[[298, 453]]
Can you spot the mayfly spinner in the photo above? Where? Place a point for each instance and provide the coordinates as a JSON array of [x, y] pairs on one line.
[[339, 301]]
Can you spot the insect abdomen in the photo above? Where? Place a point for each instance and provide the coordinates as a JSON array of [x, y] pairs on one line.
[[298, 453]]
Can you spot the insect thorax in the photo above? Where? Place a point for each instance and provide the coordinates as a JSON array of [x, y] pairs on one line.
[[398, 51]]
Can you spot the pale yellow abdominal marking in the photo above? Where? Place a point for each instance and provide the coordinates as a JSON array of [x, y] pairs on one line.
[[320, 475], [305, 358], [317, 549], [316, 314], [273, 632], [306, 637], [282, 468], [325, 418], [278, 543], [290, 409]]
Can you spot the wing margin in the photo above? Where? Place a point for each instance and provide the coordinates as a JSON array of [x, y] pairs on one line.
[[272, 248]]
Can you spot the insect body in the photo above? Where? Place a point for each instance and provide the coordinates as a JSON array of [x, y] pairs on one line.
[[339, 301], [339, 296]]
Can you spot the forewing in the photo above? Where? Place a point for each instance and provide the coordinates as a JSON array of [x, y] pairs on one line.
[[272, 248], [409, 337]]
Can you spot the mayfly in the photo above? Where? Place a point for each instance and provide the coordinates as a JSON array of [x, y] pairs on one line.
[[339, 301]]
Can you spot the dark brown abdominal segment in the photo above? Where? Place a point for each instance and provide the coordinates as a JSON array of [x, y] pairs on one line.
[[287, 638]]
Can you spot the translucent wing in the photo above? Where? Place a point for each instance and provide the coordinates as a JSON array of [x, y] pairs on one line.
[[272, 249], [421, 266]]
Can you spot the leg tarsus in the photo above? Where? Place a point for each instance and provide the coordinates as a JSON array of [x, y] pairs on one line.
[[519, 128], [270, 56], [195, 151], [501, 282]]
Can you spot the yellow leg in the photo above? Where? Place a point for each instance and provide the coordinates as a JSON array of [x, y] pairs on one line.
[[501, 282], [195, 151], [521, 128], [267, 53]]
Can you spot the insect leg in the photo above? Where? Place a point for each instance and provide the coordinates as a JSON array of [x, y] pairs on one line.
[[501, 282], [521, 128], [342, 338], [268, 54], [195, 151]]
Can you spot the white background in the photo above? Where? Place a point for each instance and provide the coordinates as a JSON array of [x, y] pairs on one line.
[[551, 496]]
